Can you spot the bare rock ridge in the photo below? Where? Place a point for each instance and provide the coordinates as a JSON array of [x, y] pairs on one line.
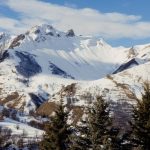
[[126, 65], [70, 33]]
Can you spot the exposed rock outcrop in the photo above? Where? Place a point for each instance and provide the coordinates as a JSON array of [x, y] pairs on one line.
[[126, 65], [70, 33], [27, 66], [16, 41]]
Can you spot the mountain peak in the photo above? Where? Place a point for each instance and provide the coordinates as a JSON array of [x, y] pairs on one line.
[[45, 31], [44, 28], [70, 33]]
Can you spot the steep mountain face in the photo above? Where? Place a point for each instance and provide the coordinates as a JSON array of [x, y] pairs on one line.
[[44, 64], [66, 54]]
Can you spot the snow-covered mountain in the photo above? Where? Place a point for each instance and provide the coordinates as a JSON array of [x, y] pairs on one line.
[[39, 66], [65, 54]]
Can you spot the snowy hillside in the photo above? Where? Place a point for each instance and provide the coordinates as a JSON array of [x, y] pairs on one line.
[[41, 65], [52, 52], [36, 65]]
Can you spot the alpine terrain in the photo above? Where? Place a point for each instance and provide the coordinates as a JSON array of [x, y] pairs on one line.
[[43, 65]]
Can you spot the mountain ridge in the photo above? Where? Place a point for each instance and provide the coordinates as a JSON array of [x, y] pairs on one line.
[[43, 60], [44, 65]]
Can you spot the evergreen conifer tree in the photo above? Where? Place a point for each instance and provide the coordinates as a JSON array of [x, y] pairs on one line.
[[57, 131], [141, 120], [80, 137], [99, 124], [94, 132]]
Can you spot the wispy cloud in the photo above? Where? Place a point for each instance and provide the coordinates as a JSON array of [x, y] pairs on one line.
[[83, 21]]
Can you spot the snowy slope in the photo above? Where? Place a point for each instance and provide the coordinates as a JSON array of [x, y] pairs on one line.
[[74, 56], [43, 64], [43, 60], [126, 85], [18, 128]]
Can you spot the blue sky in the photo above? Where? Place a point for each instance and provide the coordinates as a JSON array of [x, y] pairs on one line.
[[134, 7], [119, 22]]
